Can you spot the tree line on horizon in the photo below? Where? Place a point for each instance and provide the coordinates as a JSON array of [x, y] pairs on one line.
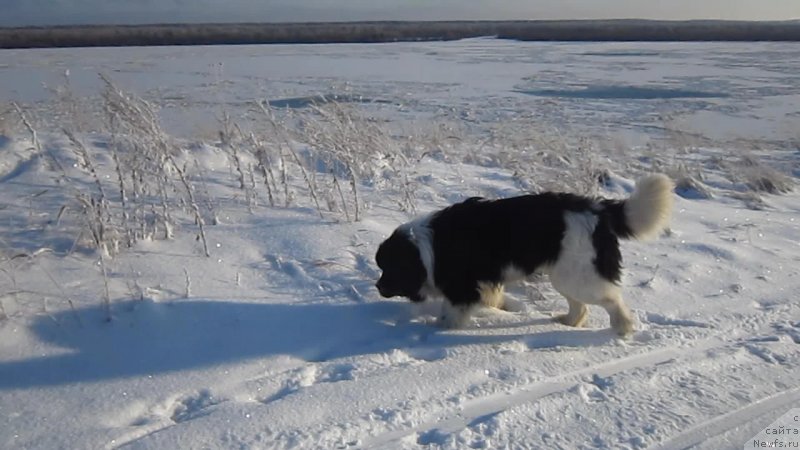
[[372, 32]]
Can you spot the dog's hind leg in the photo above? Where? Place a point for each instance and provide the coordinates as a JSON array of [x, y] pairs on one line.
[[619, 314], [602, 293], [576, 316], [578, 312], [578, 281], [492, 295]]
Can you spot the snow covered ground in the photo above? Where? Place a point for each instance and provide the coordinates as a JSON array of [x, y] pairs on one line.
[[278, 338]]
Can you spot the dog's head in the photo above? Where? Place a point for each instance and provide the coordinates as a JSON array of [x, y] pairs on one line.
[[403, 271]]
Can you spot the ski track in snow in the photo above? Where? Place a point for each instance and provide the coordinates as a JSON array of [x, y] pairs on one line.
[[474, 410], [187, 407], [711, 428]]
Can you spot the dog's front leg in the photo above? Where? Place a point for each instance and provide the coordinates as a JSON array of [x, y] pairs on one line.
[[461, 295], [454, 316]]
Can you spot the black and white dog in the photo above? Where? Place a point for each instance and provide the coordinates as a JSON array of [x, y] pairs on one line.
[[468, 251]]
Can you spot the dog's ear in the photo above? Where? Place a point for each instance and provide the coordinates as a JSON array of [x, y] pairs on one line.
[[414, 275], [418, 274]]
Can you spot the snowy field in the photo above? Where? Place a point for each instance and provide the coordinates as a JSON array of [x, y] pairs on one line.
[[288, 165]]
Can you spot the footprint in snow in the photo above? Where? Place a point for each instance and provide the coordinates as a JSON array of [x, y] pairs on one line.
[[297, 380], [590, 393], [178, 410], [427, 354], [791, 329], [660, 319], [338, 372], [712, 250], [193, 406]]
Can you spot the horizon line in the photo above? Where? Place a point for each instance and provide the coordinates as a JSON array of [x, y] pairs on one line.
[[395, 21]]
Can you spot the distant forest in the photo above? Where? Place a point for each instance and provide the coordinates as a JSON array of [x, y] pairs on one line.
[[366, 32]]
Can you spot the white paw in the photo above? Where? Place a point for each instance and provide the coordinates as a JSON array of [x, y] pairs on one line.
[[453, 316]]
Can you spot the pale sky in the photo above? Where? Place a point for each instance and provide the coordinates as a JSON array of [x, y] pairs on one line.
[[57, 12]]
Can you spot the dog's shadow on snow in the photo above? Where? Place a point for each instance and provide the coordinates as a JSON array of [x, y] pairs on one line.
[[150, 338]]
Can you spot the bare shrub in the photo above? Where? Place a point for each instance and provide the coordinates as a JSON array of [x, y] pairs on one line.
[[547, 159], [96, 210], [759, 177], [350, 146], [148, 177], [37, 145], [6, 124]]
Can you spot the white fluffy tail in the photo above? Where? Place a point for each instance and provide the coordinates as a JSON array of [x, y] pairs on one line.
[[648, 209]]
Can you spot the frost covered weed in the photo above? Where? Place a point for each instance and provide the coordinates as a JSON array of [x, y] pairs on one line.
[[157, 172], [5, 120], [759, 177], [36, 144], [350, 147], [95, 204], [68, 107], [543, 159]]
